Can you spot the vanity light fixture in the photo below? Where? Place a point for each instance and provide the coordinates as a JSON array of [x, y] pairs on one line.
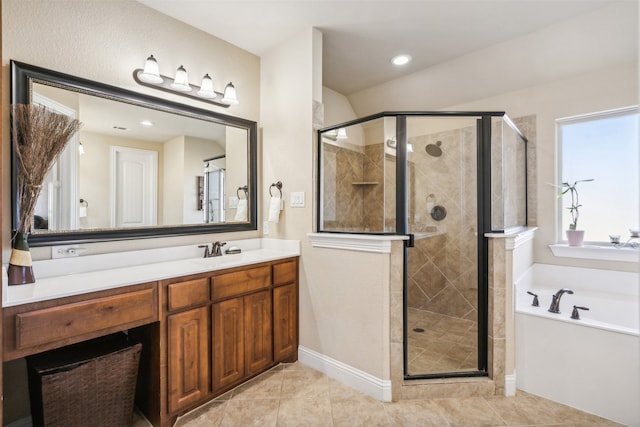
[[150, 77], [206, 88], [181, 81], [229, 96], [151, 73]]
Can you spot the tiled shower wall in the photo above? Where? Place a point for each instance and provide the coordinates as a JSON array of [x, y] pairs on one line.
[[354, 188], [442, 266], [442, 272]]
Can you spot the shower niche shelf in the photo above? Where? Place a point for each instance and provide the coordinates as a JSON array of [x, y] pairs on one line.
[[365, 183]]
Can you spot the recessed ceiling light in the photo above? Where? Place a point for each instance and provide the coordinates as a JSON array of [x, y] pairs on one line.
[[401, 59], [146, 123]]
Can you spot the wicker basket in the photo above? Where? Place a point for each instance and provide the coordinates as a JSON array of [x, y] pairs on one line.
[[88, 384]]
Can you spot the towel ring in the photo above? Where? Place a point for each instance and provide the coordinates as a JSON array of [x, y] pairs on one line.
[[278, 185], [243, 188], [84, 203]]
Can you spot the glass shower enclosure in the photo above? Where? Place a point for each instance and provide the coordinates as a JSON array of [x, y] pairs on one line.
[[444, 179]]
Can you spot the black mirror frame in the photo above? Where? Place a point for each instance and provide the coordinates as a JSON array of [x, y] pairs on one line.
[[22, 77]]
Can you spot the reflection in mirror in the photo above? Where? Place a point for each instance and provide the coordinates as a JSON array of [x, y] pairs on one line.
[[137, 166], [139, 163], [214, 194]]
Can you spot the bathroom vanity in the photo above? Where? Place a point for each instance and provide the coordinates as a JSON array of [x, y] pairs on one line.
[[211, 325]]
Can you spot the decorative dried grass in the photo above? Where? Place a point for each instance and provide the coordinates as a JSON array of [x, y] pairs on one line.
[[39, 136]]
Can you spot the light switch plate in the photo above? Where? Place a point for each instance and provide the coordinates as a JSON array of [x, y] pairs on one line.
[[297, 199]]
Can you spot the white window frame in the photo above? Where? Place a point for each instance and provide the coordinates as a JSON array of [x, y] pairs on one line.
[[591, 249]]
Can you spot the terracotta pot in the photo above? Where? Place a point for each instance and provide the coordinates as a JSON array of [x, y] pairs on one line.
[[20, 269], [575, 237]]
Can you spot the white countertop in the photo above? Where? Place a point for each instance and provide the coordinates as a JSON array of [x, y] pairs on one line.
[[83, 276]]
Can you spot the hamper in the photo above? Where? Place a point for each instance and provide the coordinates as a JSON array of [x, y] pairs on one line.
[[88, 384]]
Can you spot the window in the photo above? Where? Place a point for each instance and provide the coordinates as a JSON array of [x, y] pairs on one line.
[[603, 147]]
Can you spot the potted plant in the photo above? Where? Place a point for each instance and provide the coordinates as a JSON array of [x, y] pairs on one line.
[[574, 236]]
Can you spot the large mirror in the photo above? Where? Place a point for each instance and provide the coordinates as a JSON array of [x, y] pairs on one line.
[[139, 167]]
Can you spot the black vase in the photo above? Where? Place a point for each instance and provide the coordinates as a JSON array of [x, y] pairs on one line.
[[20, 271]]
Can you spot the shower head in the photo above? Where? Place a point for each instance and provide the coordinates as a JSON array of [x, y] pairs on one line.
[[434, 150]]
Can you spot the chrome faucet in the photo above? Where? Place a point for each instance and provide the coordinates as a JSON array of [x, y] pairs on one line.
[[555, 300], [215, 249]]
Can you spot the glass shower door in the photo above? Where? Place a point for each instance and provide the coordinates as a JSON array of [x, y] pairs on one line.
[[442, 267]]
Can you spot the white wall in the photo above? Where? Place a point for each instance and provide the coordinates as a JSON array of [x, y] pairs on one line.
[[584, 65], [596, 91], [105, 41], [604, 38]]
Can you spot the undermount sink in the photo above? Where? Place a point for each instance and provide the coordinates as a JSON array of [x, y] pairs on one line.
[[225, 259]]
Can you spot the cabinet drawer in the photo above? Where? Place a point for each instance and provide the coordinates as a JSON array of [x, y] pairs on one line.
[[67, 321], [284, 273], [231, 284], [187, 294]]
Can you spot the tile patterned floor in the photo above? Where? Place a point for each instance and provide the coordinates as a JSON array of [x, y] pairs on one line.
[[439, 343], [295, 395]]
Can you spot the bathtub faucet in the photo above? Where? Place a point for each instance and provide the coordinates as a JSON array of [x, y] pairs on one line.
[[555, 300]]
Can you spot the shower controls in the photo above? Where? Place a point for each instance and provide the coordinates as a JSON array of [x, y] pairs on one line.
[[438, 213]]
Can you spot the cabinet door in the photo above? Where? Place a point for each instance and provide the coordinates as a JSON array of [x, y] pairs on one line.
[[228, 343], [258, 337], [188, 358], [285, 323]]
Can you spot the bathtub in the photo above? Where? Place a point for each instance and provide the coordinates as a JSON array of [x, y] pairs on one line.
[[591, 364]]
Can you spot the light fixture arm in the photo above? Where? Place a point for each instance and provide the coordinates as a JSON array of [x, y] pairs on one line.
[[166, 87]]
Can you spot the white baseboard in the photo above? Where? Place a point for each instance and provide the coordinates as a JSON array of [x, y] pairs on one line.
[[510, 385], [366, 383]]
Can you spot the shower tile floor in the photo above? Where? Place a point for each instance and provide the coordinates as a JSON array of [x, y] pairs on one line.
[[439, 343], [296, 395]]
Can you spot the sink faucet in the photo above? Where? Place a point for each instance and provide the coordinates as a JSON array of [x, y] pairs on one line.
[[207, 252], [215, 249], [555, 300]]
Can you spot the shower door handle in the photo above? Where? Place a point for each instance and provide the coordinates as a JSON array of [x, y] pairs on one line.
[[410, 243]]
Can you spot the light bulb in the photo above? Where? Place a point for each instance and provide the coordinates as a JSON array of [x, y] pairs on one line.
[[151, 72], [229, 96], [206, 88], [181, 81]]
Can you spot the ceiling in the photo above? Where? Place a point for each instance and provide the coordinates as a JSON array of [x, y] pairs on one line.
[[361, 36]]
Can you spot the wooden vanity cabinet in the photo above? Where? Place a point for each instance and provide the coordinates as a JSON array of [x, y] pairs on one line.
[[285, 311], [225, 327], [40, 326], [242, 332], [202, 334], [188, 337]]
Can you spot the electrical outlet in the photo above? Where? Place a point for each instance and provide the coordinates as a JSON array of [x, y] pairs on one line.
[[265, 227]]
